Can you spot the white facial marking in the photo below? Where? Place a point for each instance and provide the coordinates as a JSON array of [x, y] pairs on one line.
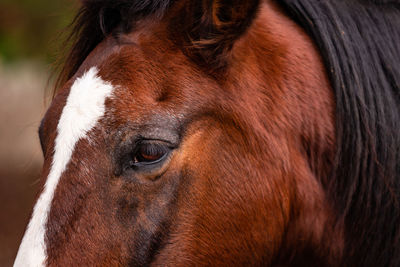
[[83, 109]]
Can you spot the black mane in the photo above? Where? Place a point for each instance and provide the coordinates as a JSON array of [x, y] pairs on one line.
[[360, 44]]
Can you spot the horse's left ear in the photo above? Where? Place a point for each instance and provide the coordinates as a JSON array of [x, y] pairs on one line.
[[209, 28]]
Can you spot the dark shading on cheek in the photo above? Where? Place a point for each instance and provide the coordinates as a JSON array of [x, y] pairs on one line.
[[149, 244], [127, 210]]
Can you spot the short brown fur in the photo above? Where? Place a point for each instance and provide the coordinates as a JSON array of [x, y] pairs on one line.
[[243, 186]]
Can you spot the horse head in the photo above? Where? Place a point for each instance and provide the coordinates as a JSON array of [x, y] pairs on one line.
[[187, 133]]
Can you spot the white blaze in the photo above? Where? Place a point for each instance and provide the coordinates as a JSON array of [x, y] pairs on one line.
[[83, 109]]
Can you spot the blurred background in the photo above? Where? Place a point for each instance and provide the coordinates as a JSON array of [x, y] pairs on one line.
[[31, 35]]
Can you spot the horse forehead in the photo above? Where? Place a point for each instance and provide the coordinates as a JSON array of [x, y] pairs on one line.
[[84, 107]]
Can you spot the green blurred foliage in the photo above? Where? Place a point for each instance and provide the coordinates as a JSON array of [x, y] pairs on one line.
[[34, 29]]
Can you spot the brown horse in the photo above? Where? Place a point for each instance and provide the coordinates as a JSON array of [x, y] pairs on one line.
[[223, 133]]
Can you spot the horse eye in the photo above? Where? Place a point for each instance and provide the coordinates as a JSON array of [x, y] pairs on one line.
[[149, 153]]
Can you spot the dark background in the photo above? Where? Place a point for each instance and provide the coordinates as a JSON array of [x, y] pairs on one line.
[[31, 35]]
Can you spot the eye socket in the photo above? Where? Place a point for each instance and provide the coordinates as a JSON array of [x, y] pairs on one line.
[[149, 152], [143, 159]]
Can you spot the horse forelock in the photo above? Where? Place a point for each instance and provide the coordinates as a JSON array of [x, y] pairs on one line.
[[97, 19]]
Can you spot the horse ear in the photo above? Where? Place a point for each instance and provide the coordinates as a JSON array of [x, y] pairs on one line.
[[209, 28]]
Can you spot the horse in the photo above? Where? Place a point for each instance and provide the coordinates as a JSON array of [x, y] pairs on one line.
[[223, 133]]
